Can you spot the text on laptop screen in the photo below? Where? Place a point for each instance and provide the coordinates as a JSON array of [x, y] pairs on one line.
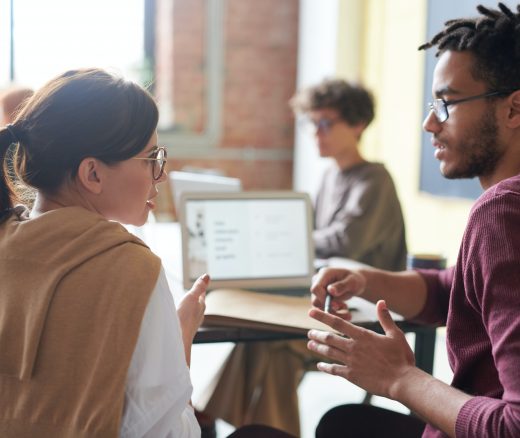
[[247, 238]]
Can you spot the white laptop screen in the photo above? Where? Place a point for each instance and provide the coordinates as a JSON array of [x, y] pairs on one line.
[[248, 239]]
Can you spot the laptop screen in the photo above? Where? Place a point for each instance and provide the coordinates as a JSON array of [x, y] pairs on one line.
[[248, 239]]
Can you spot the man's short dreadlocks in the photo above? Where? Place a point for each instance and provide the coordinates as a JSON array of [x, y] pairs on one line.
[[494, 40]]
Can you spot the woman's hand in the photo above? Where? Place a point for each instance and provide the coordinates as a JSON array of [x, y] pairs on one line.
[[376, 363], [191, 309]]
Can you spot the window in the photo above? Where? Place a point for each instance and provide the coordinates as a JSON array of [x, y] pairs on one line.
[[51, 36], [138, 39]]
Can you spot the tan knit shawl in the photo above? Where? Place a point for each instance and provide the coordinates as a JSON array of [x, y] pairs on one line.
[[73, 290]]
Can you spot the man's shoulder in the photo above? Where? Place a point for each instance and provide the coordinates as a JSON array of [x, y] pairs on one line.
[[509, 187], [497, 203]]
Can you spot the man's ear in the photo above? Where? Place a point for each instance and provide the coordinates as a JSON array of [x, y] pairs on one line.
[[513, 119], [359, 129], [89, 175]]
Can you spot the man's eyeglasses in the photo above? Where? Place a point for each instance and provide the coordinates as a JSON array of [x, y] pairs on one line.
[[323, 125], [440, 106], [158, 158]]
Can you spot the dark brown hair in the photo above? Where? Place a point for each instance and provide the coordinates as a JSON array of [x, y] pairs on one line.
[[493, 39], [79, 114], [354, 103]]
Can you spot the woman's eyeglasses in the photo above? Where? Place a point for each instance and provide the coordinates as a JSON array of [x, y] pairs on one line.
[[158, 158]]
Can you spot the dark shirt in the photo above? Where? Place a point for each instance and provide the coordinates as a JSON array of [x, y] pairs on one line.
[[479, 300], [358, 216]]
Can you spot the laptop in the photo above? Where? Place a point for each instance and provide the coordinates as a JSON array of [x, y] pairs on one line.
[[181, 182], [248, 240]]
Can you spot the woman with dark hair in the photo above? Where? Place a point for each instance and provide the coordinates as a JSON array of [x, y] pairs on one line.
[[91, 343]]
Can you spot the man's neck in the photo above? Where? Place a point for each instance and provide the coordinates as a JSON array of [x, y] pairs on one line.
[[489, 181], [507, 167]]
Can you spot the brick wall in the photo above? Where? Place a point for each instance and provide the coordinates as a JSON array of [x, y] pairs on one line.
[[260, 65], [260, 59]]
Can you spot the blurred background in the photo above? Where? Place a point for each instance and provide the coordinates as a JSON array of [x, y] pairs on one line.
[[223, 71]]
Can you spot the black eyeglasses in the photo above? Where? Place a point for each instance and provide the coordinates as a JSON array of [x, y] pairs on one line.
[[323, 125], [440, 106], [158, 158]]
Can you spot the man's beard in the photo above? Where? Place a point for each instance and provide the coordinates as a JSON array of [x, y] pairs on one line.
[[481, 151]]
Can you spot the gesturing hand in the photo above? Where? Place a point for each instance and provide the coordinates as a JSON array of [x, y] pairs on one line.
[[191, 308], [374, 362]]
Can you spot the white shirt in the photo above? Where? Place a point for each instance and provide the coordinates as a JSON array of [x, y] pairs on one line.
[[158, 386]]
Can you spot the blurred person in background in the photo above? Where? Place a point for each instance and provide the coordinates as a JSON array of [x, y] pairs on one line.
[[357, 215], [11, 101]]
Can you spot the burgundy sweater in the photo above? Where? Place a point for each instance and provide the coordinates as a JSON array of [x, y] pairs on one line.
[[479, 301]]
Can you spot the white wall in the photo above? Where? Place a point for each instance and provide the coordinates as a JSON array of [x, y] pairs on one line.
[[317, 51]]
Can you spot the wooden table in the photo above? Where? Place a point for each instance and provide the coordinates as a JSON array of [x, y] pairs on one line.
[[424, 346]]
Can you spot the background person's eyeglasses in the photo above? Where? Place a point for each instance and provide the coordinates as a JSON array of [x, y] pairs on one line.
[[440, 106], [158, 158], [323, 125]]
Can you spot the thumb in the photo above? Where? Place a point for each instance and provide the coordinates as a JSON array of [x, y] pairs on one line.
[[385, 319]]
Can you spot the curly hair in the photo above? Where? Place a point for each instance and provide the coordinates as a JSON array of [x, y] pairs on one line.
[[354, 103], [494, 40]]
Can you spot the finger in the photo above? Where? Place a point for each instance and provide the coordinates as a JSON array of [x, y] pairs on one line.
[[339, 305], [337, 323], [339, 283], [329, 338], [200, 285], [350, 285], [317, 301], [328, 351], [343, 314], [385, 319], [324, 277], [333, 368], [318, 292], [339, 308]]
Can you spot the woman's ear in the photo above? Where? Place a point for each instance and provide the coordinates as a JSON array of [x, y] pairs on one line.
[[89, 175]]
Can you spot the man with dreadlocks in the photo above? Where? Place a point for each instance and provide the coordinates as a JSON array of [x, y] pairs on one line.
[[474, 120]]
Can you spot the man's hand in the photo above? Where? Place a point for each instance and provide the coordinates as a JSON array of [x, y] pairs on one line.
[[374, 362], [340, 284]]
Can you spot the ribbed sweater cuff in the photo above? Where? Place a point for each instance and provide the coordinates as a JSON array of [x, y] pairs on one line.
[[478, 418]]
